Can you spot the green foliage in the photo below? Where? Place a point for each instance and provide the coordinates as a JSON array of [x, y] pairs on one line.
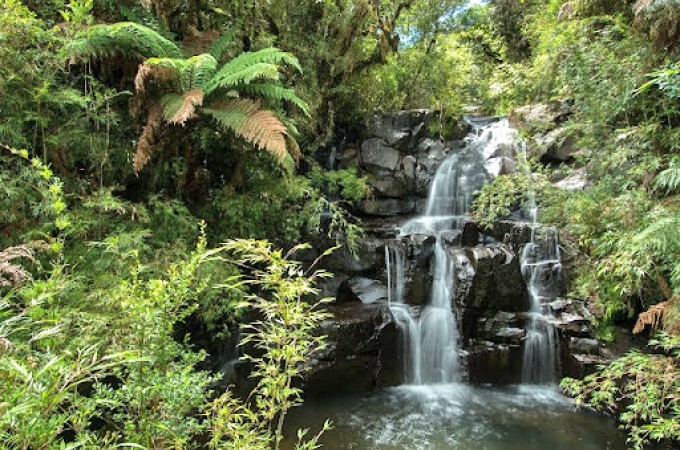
[[345, 184], [642, 389], [285, 336], [127, 39], [78, 350]]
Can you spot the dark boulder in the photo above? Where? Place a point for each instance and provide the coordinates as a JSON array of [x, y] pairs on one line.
[[361, 290], [387, 207], [362, 351], [377, 157]]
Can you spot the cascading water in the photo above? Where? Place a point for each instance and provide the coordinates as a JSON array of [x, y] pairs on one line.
[[541, 266], [431, 349]]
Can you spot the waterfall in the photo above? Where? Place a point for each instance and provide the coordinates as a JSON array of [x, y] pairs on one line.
[[541, 266], [431, 338]]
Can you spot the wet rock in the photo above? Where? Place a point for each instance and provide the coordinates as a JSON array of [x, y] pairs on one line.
[[360, 289], [585, 346], [504, 151], [451, 238], [470, 234], [388, 186], [377, 157], [495, 282], [329, 287], [362, 351], [580, 365], [494, 363], [408, 166], [367, 259], [387, 207], [379, 125], [514, 234], [418, 287], [434, 149], [422, 248]]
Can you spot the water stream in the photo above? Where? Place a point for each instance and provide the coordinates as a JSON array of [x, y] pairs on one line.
[[433, 410], [541, 267], [431, 338], [457, 417]]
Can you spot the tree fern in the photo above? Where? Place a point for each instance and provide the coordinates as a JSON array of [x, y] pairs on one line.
[[125, 38], [198, 71], [261, 127], [273, 93], [145, 144], [197, 80]]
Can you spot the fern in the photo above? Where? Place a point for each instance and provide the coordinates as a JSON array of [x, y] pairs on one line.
[[178, 109], [145, 145], [270, 55], [669, 180], [198, 80], [228, 80], [219, 46], [197, 71], [125, 38], [246, 119], [273, 93]]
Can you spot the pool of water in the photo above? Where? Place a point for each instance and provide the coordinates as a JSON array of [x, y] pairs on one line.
[[458, 417]]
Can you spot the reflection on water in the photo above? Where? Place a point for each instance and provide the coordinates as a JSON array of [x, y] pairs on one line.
[[458, 417]]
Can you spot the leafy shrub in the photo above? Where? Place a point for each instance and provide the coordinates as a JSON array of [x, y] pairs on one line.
[[642, 389]]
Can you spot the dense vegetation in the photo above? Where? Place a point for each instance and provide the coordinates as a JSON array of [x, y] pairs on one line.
[[138, 137]]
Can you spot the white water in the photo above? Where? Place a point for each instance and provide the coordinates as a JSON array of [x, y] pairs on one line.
[[431, 338], [541, 264]]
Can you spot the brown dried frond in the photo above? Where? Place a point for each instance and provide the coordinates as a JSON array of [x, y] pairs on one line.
[[187, 111], [11, 274], [654, 317], [266, 131], [258, 126], [148, 71], [145, 145]]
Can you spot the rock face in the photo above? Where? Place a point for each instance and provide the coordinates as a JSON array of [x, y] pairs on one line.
[[489, 295], [361, 354]]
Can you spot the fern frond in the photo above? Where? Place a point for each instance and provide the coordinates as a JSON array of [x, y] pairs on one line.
[[269, 55], [228, 80], [219, 46], [659, 236], [669, 180], [260, 127], [273, 93], [11, 273], [145, 144], [197, 71], [128, 39], [178, 109], [147, 71]]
